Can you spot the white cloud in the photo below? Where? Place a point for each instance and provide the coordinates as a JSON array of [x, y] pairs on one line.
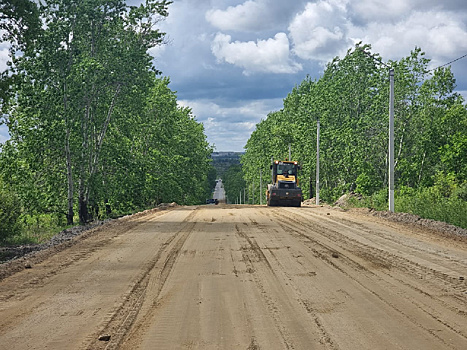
[[364, 11], [246, 110], [4, 135], [157, 51], [249, 16], [442, 35], [320, 31], [4, 55], [253, 15], [229, 127], [267, 56]]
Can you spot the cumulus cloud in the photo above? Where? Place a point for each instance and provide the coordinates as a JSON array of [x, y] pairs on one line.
[[228, 126], [363, 11], [249, 16], [442, 35], [254, 15], [320, 31], [268, 56], [245, 111]]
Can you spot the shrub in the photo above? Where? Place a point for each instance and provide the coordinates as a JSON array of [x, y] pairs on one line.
[[366, 184], [10, 210], [440, 202]]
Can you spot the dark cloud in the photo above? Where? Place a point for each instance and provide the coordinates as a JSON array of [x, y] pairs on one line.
[[232, 85], [270, 47]]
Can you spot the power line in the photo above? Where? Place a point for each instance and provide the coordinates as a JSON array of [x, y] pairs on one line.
[[374, 58], [447, 64], [386, 65]]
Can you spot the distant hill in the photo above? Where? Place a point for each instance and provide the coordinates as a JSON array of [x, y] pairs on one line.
[[223, 160]]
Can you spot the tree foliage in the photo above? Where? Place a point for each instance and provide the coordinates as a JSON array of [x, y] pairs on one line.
[[233, 183], [92, 126], [351, 100], [10, 210]]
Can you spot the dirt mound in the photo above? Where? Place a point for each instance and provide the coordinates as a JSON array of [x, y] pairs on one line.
[[343, 201], [406, 218], [438, 226], [311, 201]]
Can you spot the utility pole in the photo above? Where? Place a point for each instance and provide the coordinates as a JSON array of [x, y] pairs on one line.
[[391, 140], [290, 152], [240, 197], [317, 162], [244, 195]]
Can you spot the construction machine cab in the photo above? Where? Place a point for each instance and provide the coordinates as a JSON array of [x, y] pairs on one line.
[[284, 189], [284, 169]]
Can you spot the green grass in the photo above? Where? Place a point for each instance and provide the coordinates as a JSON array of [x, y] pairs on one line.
[[36, 229], [428, 203], [452, 210]]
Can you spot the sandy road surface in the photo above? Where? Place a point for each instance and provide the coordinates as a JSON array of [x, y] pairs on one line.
[[239, 277]]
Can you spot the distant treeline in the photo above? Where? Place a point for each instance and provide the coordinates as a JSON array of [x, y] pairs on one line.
[[223, 160]]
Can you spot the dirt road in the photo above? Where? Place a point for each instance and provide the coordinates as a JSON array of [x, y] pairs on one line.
[[242, 277]]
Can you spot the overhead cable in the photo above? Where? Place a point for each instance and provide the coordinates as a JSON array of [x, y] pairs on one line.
[[374, 58], [447, 64]]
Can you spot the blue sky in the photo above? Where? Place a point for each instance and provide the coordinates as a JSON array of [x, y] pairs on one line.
[[234, 61]]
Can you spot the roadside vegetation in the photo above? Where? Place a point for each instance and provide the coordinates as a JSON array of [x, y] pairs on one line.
[[445, 201], [95, 130], [351, 100], [234, 184]]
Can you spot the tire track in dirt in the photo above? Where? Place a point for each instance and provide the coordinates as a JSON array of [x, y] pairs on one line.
[[88, 242], [387, 261], [336, 251], [260, 257], [371, 234], [325, 337], [48, 264], [380, 257], [121, 320], [252, 253]]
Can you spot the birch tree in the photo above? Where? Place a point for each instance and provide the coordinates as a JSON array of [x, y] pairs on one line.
[[84, 63]]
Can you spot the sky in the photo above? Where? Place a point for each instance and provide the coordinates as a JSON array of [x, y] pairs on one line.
[[234, 61]]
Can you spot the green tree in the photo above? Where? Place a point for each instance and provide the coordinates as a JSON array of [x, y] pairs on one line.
[[19, 24], [87, 61], [10, 210], [351, 101], [233, 182]]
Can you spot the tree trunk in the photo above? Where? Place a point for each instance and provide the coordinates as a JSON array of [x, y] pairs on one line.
[[69, 175], [83, 210], [69, 170]]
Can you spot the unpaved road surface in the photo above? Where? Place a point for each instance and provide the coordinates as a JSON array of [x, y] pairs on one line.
[[243, 277]]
